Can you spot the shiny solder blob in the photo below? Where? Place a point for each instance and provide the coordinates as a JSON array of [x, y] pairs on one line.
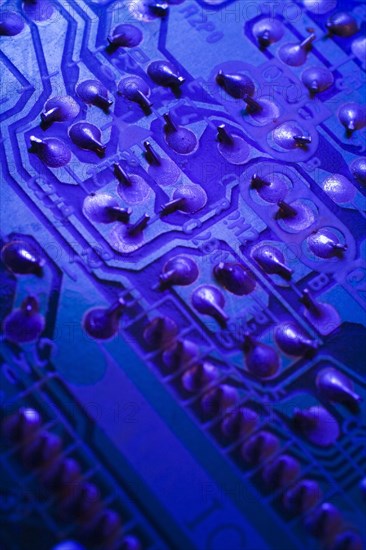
[[289, 135], [267, 31], [134, 88], [94, 92], [103, 323], [339, 188], [352, 116], [281, 471], [317, 79], [359, 49], [24, 324], [87, 136], [261, 360], [52, 151], [326, 244], [272, 261], [125, 36], [187, 198], [209, 300], [160, 332], [320, 7], [341, 24], [358, 169], [22, 258], [259, 447], [295, 54], [324, 521], [334, 385], [218, 400], [235, 84], [148, 10], [11, 23], [199, 376], [234, 277], [317, 425], [103, 208], [180, 270], [165, 74], [239, 422], [180, 353], [293, 340], [22, 425], [59, 109], [302, 496]]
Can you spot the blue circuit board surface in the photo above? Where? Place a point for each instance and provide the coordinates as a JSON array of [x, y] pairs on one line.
[[182, 275]]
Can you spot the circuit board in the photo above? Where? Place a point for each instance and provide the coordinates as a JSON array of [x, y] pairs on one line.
[[183, 278]]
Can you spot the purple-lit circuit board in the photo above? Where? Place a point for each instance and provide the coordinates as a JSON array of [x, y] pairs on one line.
[[183, 279]]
